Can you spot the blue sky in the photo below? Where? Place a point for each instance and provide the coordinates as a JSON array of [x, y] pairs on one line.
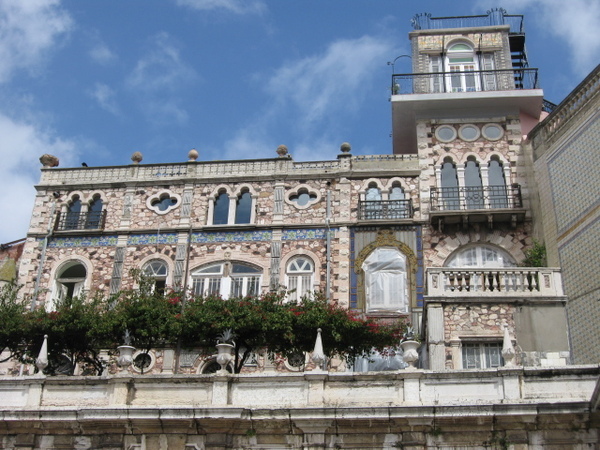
[[96, 80]]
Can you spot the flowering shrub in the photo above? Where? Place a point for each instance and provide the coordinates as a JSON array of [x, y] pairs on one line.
[[77, 331], [80, 328], [269, 322]]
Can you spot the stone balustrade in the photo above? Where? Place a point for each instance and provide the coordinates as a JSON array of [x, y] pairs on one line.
[[551, 128], [224, 169], [295, 391], [311, 410], [451, 282]]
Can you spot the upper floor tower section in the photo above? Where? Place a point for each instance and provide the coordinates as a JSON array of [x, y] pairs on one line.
[[464, 67]]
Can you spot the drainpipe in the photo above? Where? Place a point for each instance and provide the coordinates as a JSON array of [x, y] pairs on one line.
[[328, 245], [184, 287], [480, 64], [443, 61], [36, 288]]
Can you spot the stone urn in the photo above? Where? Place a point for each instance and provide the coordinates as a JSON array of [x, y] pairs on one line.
[[224, 356], [410, 355], [125, 358]]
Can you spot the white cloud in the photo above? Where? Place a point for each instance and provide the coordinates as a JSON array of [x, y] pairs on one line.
[[21, 146], [101, 54], [311, 99], [577, 22], [234, 6], [162, 68], [334, 81], [28, 29], [159, 78], [105, 96]]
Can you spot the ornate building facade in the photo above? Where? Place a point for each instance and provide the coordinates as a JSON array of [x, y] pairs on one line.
[[433, 233]]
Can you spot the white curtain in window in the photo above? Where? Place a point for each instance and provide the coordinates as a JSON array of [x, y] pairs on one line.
[[385, 280]]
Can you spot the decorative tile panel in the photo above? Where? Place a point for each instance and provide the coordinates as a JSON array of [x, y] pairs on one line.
[[304, 234], [231, 236], [83, 241], [152, 239]]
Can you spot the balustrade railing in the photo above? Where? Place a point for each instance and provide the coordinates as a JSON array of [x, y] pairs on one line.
[[91, 220], [469, 198], [504, 281], [385, 209], [464, 81]]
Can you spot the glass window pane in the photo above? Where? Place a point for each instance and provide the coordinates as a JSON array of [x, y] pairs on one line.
[[74, 271], [221, 210], [243, 268], [243, 209]]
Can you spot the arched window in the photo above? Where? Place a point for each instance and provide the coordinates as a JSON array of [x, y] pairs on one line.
[[449, 180], [299, 277], [473, 185], [221, 209], [94, 215], [73, 213], [386, 284], [157, 271], [227, 280], [243, 208], [461, 63], [69, 283], [480, 256], [497, 184], [373, 208], [398, 207]]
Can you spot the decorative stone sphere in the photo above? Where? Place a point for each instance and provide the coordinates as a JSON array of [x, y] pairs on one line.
[[345, 147], [282, 151], [49, 160], [193, 155], [137, 157]]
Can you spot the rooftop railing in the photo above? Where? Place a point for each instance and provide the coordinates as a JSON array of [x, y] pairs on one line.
[[220, 169], [465, 81], [471, 198], [493, 17], [455, 282]]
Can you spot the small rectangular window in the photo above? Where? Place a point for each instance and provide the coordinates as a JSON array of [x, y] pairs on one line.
[[481, 355]]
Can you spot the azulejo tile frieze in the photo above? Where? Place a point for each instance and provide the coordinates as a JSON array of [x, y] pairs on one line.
[[83, 241], [201, 237], [304, 234], [156, 238], [231, 236]]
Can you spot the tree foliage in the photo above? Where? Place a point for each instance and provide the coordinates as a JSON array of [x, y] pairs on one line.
[[535, 256], [13, 322], [78, 329]]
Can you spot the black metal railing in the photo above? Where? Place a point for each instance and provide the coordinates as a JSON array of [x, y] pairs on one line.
[[469, 198], [93, 220], [385, 209], [465, 81], [548, 106], [496, 16]]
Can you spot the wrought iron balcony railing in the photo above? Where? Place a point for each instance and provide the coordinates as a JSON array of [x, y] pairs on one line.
[[385, 209], [494, 282], [469, 198], [496, 16], [465, 81], [93, 220]]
